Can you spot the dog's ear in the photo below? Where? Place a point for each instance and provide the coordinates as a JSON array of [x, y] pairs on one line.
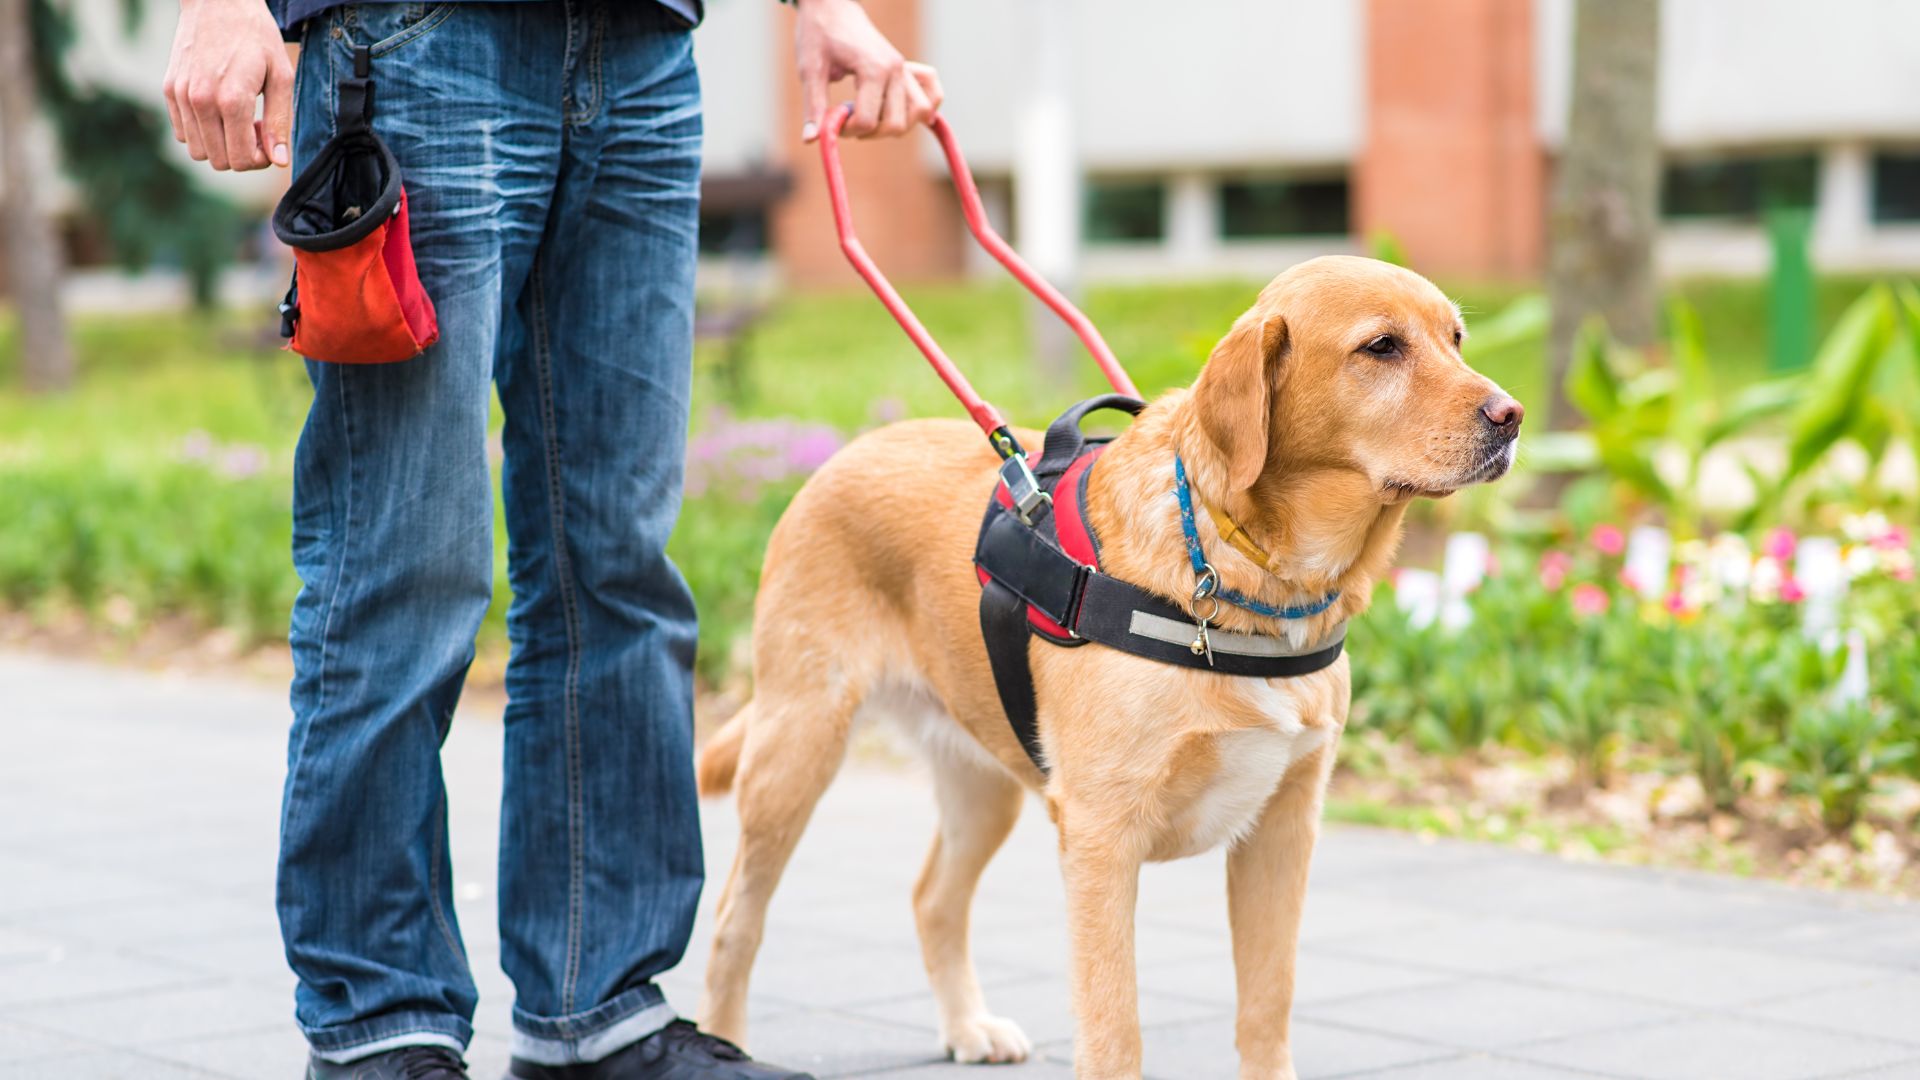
[[1233, 395]]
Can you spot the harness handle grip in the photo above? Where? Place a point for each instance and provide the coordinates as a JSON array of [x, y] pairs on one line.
[[983, 413]]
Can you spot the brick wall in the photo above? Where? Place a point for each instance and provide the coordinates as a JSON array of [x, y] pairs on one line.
[[1451, 164]]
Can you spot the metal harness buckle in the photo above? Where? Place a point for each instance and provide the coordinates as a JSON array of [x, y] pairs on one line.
[[1023, 487]]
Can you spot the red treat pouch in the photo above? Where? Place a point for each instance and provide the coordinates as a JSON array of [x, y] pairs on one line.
[[356, 295]]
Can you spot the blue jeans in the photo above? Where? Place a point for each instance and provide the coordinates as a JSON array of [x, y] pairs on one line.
[[551, 154]]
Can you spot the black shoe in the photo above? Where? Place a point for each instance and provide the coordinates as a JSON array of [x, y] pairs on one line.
[[678, 1051], [406, 1063]]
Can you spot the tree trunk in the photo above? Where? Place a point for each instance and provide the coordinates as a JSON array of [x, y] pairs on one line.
[[31, 249], [1605, 198]]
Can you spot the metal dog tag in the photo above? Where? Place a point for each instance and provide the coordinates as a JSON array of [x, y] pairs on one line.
[[1202, 645]]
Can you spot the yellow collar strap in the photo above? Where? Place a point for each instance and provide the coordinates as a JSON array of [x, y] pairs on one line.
[[1232, 533]]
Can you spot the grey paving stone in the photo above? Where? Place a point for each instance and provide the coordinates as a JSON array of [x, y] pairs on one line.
[[1887, 1007], [1204, 1051], [189, 917], [74, 974], [1320, 976], [858, 976], [1900, 1070], [830, 1044], [143, 904], [103, 1065], [1475, 1067], [1702, 977], [1883, 939], [1484, 945], [947, 1070], [1041, 1007], [1714, 1046], [36, 883], [167, 1015], [18, 944], [1483, 1014], [276, 1054], [19, 1042]]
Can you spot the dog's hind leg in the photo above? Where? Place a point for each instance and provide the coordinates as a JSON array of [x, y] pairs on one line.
[[979, 804], [794, 741]]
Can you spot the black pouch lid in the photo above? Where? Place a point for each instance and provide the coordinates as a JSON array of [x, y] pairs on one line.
[[349, 189]]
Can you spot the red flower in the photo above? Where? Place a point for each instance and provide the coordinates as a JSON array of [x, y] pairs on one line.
[[1780, 543], [1590, 599], [1554, 565]]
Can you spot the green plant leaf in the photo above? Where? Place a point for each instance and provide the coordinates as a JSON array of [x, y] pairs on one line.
[[1754, 404], [1592, 384], [1842, 378], [1525, 319]]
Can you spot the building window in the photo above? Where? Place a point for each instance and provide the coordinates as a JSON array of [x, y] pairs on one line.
[[1260, 209], [1739, 188], [1896, 186], [735, 233], [1126, 211]]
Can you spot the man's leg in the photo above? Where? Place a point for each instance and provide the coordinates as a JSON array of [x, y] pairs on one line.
[[393, 525], [600, 861]]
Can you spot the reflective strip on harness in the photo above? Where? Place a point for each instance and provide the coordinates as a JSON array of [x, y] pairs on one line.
[[1182, 632]]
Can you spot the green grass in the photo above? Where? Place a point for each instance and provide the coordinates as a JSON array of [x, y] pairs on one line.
[[105, 501]]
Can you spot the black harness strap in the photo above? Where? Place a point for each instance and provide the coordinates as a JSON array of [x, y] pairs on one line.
[[1003, 620], [1026, 571]]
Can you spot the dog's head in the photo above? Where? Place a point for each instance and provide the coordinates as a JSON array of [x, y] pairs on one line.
[[1354, 364]]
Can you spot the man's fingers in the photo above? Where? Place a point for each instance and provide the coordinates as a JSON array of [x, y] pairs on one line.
[[197, 142], [869, 96], [928, 80], [919, 107], [893, 115], [170, 90], [277, 119], [813, 99], [237, 107]]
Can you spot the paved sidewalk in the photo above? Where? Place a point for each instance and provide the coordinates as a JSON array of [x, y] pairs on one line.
[[137, 818]]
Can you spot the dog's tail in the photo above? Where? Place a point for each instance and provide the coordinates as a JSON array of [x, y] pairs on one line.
[[720, 758]]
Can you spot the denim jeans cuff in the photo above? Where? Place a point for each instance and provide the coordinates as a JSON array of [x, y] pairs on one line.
[[587, 1037], [383, 1033]]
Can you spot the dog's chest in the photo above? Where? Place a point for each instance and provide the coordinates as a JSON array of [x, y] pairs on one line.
[[1249, 765]]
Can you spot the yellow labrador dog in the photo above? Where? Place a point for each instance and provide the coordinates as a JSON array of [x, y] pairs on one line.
[[1337, 399]]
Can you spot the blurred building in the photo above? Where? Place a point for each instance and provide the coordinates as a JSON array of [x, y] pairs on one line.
[[1216, 137], [1220, 136]]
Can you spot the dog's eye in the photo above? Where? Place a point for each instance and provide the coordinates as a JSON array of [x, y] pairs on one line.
[[1384, 345], [1458, 337]]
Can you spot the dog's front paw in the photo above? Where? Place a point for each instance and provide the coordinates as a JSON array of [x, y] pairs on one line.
[[1250, 1071], [990, 1039]]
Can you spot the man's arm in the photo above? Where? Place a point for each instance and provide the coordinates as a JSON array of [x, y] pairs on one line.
[[227, 54], [833, 39]]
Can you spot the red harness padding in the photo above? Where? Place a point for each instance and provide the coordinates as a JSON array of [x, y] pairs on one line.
[[1070, 529]]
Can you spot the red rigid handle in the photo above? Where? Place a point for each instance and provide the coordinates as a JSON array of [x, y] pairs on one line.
[[982, 412]]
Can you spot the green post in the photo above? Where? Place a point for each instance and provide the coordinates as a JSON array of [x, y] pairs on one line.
[[1790, 290]]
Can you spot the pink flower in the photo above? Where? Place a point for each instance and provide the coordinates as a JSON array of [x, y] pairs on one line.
[[1780, 543], [1894, 539], [1676, 603], [1609, 539], [1791, 592], [1590, 599], [1554, 565]]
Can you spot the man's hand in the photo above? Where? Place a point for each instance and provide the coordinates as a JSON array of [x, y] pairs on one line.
[[226, 55], [833, 39]]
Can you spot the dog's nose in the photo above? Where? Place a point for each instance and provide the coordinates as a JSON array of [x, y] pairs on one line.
[[1504, 414]]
